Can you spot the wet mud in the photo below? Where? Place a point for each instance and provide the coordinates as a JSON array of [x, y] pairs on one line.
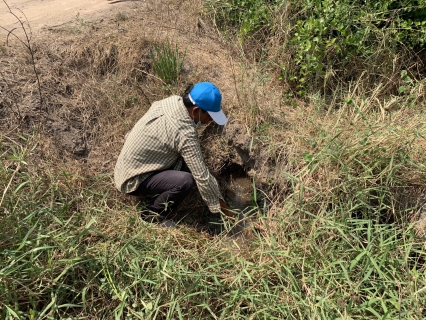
[[239, 192]]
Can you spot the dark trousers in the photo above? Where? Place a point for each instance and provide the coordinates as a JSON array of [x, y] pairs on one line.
[[170, 186]]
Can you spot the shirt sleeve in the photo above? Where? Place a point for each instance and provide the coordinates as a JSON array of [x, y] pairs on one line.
[[190, 150]]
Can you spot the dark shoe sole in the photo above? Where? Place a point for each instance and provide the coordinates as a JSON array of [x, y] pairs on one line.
[[155, 218]]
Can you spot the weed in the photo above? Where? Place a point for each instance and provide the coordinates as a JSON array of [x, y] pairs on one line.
[[28, 45], [62, 243], [167, 62], [79, 25], [120, 16], [247, 16]]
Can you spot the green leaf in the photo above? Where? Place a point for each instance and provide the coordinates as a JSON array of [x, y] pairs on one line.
[[308, 157]]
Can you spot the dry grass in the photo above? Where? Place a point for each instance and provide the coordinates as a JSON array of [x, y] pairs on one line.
[[98, 83], [335, 167]]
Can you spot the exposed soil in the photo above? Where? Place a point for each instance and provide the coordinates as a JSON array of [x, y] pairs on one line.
[[47, 14]]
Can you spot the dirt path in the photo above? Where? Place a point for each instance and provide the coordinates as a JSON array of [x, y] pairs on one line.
[[43, 14]]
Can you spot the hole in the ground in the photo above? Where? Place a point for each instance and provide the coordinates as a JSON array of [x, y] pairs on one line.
[[238, 190], [233, 170], [238, 187]]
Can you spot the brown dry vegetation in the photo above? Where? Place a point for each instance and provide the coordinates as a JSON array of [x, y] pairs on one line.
[[97, 80], [96, 83], [305, 156]]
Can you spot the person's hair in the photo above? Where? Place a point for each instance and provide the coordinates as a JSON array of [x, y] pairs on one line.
[[186, 101]]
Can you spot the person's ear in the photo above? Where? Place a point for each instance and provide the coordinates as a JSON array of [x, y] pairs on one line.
[[195, 111]]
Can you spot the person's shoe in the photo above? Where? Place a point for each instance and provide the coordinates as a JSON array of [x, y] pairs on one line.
[[153, 217], [168, 224], [150, 216], [243, 223]]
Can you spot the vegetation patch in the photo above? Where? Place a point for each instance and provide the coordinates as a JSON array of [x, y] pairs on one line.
[[321, 45], [336, 165]]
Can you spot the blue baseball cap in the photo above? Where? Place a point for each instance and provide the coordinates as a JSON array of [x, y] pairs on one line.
[[207, 96]]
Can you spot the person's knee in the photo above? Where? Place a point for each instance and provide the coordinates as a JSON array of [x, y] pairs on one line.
[[188, 182]]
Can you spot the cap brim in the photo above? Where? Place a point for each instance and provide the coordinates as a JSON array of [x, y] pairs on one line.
[[218, 117]]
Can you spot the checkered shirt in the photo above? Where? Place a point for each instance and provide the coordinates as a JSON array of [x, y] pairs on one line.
[[161, 139]]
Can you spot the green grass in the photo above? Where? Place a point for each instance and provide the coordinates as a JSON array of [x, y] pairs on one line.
[[167, 62], [66, 251]]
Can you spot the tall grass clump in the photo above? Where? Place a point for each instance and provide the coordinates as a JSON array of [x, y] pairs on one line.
[[167, 62]]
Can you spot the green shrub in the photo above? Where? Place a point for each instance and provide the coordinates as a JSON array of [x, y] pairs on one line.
[[325, 43], [244, 16], [344, 35]]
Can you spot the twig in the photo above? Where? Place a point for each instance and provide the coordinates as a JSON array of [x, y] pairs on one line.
[[235, 83], [10, 182], [27, 44], [149, 74]]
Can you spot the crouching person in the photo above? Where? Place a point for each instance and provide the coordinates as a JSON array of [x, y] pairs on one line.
[[162, 157]]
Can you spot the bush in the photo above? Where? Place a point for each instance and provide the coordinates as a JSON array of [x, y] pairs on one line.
[[244, 16], [327, 41], [347, 35]]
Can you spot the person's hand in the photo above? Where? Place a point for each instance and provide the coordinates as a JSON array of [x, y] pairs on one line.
[[227, 210]]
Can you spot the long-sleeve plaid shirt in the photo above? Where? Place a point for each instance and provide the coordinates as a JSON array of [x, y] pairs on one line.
[[161, 139]]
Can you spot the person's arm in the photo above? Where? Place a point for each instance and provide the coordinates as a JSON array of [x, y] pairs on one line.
[[190, 150]]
